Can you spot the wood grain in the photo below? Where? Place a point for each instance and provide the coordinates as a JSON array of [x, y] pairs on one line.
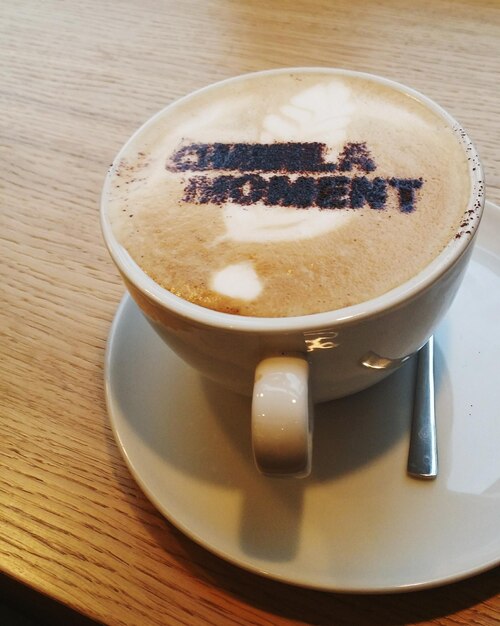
[[77, 79]]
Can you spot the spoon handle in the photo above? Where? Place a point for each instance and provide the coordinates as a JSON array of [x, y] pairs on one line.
[[422, 457]]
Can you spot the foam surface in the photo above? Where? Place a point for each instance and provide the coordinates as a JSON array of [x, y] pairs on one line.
[[378, 187]]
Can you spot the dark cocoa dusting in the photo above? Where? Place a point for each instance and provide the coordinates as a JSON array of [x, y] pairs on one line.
[[241, 157], [356, 154], [289, 157], [324, 192], [288, 190], [125, 166], [406, 188], [374, 192]]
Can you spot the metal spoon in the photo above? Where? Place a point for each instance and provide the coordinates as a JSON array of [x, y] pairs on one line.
[[422, 457]]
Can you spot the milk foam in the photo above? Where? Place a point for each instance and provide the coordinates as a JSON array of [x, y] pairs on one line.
[[253, 257], [264, 224], [319, 113], [308, 116], [237, 281]]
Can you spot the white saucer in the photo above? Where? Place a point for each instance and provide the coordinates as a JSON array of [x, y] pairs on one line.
[[358, 523]]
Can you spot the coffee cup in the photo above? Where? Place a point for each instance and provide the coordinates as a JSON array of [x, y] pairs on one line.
[[295, 235]]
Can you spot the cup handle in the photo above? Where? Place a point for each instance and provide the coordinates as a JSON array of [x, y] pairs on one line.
[[282, 417]]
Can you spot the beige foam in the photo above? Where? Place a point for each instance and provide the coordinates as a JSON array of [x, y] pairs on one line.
[[182, 245]]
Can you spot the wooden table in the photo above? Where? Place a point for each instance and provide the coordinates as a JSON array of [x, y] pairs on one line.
[[78, 539]]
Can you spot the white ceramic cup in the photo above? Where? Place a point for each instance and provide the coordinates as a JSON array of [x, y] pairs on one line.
[[290, 363]]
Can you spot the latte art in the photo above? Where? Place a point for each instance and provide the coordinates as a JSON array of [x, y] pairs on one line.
[[289, 194]]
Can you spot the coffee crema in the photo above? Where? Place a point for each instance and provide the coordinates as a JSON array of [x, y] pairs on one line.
[[289, 193]]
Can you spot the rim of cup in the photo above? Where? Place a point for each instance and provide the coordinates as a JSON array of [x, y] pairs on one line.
[[392, 299]]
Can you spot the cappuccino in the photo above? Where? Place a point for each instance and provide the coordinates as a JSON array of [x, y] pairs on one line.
[[289, 193]]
